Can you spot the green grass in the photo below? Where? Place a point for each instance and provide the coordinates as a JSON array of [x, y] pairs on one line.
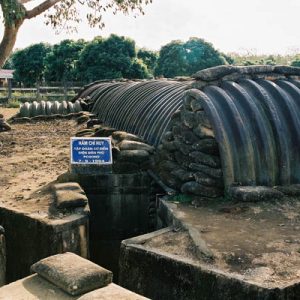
[[13, 103]]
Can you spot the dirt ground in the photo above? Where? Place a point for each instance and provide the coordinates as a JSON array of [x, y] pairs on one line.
[[32, 155], [259, 242]]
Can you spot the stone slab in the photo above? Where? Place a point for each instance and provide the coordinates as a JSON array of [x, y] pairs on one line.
[[72, 273], [34, 287], [69, 198]]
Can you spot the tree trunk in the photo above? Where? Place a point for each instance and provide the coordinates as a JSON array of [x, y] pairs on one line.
[[9, 40]]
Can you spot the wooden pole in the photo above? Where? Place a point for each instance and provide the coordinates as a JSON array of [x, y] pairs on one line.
[[9, 93], [38, 91]]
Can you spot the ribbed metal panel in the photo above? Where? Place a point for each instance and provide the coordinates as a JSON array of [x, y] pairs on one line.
[[142, 108], [257, 126]]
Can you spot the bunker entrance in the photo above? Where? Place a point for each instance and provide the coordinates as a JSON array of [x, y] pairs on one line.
[[121, 206]]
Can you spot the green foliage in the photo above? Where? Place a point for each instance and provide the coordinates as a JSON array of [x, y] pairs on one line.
[[254, 59], [12, 11], [171, 61], [149, 58], [13, 103], [60, 63], [137, 69], [296, 61], [69, 11], [184, 59], [8, 64], [29, 64], [114, 57], [201, 55], [230, 60], [60, 14]]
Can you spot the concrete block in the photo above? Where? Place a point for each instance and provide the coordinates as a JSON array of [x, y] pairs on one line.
[[72, 273], [68, 198], [68, 186]]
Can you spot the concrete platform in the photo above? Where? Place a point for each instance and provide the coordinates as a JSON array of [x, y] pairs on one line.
[[35, 287], [35, 229], [217, 250], [64, 277]]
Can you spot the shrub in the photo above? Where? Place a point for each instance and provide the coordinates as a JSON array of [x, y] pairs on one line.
[[13, 103]]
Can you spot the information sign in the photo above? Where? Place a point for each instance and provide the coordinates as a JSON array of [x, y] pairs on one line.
[[91, 150]]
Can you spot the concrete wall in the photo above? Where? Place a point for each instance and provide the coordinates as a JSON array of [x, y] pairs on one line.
[[158, 276], [2, 259], [29, 240]]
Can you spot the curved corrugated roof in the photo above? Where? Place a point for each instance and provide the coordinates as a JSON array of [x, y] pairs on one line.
[[142, 108], [257, 126]]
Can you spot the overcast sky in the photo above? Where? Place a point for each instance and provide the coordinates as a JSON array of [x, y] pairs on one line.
[[261, 26]]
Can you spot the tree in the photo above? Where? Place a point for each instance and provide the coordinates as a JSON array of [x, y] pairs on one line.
[[29, 64], [201, 55], [149, 58], [114, 57], [172, 61], [15, 12], [296, 61], [137, 70], [184, 59], [62, 60], [229, 58]]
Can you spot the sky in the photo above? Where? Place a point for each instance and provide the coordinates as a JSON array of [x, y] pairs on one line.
[[243, 26]]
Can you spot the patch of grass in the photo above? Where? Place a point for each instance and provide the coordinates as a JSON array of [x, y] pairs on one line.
[[13, 103]]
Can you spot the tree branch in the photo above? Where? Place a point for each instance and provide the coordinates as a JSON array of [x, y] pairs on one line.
[[8, 40], [40, 8]]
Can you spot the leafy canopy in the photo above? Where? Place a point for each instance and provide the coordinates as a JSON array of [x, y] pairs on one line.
[[114, 57], [149, 58], [60, 63], [29, 63], [184, 59]]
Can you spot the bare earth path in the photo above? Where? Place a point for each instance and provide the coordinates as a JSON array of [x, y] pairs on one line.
[[31, 156]]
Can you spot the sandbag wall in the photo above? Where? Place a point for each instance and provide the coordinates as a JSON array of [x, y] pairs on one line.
[[188, 158], [49, 108]]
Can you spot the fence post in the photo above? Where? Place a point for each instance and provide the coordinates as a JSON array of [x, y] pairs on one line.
[[65, 89], [37, 91], [9, 89]]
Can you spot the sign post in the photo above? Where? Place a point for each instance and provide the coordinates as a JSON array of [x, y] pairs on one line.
[[90, 154]]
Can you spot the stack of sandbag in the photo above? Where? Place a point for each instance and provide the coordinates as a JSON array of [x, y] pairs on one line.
[[188, 157], [49, 108], [131, 153]]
